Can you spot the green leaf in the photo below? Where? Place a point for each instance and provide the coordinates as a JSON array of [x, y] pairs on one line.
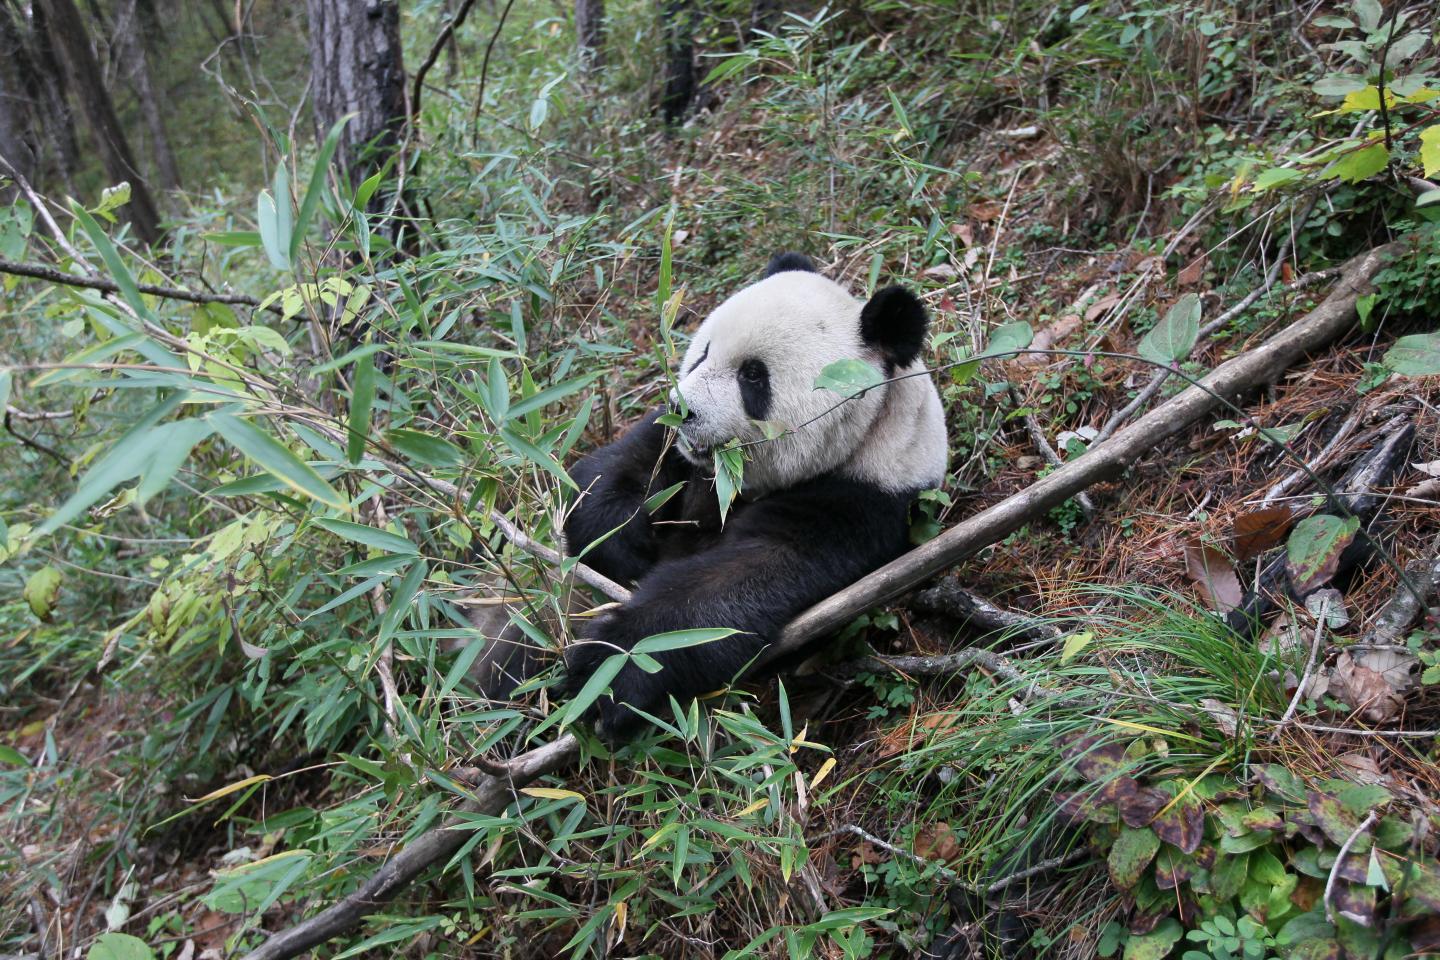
[[1172, 339], [1417, 355], [1279, 176], [1313, 550], [1428, 198], [42, 590], [849, 377], [677, 639], [398, 931], [728, 67], [400, 600], [12, 757], [123, 278], [275, 459], [593, 688], [1430, 151], [125, 460], [548, 396], [316, 188], [119, 946], [362, 399], [1157, 943], [426, 448], [5, 381], [528, 451], [1361, 164], [1131, 854], [1368, 12], [1338, 85], [1008, 338], [267, 216], [367, 535], [171, 447]]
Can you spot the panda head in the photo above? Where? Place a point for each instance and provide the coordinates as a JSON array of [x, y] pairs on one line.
[[755, 359]]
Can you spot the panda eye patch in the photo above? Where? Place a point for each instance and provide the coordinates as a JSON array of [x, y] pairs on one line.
[[754, 380]]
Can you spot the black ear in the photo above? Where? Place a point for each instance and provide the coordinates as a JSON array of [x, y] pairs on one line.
[[783, 262], [894, 322]]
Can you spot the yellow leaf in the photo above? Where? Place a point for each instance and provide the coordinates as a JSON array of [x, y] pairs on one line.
[[237, 785], [552, 793], [757, 805], [1146, 728], [822, 773], [1367, 99], [622, 910], [1075, 643], [657, 836], [282, 855], [1430, 149]]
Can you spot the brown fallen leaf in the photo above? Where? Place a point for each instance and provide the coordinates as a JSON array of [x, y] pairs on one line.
[[1367, 691], [1100, 306], [936, 841], [986, 210], [1191, 273], [1251, 534], [964, 233], [1213, 576]]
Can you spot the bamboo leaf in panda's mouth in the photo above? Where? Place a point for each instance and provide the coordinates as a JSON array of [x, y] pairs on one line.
[[849, 377]]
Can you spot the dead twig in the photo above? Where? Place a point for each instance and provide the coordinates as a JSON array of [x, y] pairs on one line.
[[1339, 859], [1037, 437], [1309, 666], [39, 271]]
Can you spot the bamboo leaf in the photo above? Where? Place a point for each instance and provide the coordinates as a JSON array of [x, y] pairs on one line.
[[316, 188], [276, 459], [367, 535]]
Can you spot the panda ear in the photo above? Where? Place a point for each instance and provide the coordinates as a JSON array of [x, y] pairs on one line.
[[894, 322], [787, 261]]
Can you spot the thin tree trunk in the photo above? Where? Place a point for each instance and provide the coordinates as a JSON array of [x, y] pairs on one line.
[[67, 30], [679, 79], [590, 32], [357, 67], [40, 72], [138, 62], [19, 139]]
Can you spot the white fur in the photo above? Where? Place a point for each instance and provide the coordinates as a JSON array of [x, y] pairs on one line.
[[798, 323]]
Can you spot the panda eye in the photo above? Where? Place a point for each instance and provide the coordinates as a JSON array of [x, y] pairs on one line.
[[753, 371]]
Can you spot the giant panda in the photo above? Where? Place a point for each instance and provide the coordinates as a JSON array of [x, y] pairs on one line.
[[822, 504]]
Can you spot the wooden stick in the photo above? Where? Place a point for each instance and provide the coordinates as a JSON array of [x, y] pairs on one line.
[[1102, 462], [491, 796], [39, 271]]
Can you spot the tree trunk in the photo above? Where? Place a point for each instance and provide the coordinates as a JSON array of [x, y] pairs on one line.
[[590, 32], [19, 139], [67, 31], [137, 62], [356, 66], [678, 91], [35, 67]]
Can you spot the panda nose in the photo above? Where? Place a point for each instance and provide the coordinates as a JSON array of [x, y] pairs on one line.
[[689, 416]]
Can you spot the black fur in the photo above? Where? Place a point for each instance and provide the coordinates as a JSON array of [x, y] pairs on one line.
[[786, 261], [894, 321], [754, 379], [773, 558]]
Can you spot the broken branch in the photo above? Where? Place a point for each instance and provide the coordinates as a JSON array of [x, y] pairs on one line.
[[1103, 461]]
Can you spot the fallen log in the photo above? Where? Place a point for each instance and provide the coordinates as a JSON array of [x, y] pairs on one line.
[[1230, 380], [1105, 461], [491, 796]]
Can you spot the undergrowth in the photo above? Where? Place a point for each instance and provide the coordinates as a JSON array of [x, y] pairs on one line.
[[233, 673]]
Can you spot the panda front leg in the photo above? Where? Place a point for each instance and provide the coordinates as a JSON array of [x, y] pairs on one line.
[[753, 588]]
